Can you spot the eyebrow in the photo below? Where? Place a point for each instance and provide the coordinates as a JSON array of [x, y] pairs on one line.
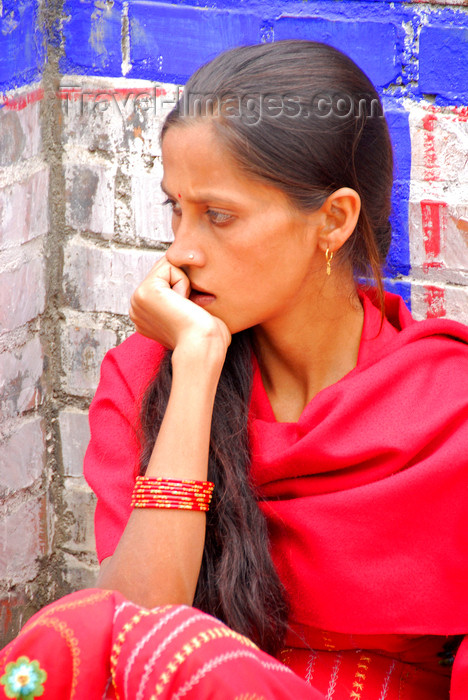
[[205, 197]]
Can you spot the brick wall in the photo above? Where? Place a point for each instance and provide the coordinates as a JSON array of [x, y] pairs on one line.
[[83, 90]]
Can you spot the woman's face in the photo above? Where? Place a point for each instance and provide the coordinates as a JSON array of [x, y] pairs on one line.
[[237, 239]]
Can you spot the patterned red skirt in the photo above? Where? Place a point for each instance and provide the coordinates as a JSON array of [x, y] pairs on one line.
[[95, 644]]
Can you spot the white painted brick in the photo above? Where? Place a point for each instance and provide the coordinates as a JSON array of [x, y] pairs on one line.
[[97, 279], [22, 457], [22, 541], [89, 197], [12, 138], [74, 436], [20, 127], [20, 378], [23, 210], [88, 127], [152, 220], [432, 300], [83, 350], [29, 117], [22, 294], [80, 574], [114, 115], [81, 504], [439, 144]]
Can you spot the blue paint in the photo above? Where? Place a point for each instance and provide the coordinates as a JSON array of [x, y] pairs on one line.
[[21, 44], [372, 45], [398, 260], [401, 287], [169, 40], [443, 62], [168, 43], [92, 34]]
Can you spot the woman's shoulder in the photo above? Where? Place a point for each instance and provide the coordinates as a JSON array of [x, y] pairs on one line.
[[402, 338]]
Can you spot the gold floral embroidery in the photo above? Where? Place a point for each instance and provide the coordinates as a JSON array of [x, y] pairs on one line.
[[60, 607], [67, 634], [360, 677], [285, 656], [328, 641]]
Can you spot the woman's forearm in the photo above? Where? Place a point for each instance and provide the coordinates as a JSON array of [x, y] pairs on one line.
[[157, 560]]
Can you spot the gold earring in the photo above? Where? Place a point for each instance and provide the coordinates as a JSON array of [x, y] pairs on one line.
[[328, 258]]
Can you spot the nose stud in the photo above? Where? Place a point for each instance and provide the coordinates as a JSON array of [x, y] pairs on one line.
[[191, 256]]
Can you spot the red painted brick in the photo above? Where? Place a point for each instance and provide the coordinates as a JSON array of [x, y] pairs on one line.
[[15, 609], [432, 300]]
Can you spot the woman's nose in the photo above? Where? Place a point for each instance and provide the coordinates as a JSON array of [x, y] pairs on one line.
[[185, 250]]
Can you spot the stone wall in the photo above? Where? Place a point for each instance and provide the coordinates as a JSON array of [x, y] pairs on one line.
[[84, 87]]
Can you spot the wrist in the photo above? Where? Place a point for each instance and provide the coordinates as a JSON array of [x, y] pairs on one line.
[[197, 352]]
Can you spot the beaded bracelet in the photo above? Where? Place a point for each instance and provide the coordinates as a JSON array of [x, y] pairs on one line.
[[171, 493]]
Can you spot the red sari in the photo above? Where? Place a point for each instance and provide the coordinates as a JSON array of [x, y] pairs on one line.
[[95, 645], [366, 500]]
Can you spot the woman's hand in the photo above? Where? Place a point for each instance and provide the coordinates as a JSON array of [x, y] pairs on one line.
[[158, 558], [161, 310]]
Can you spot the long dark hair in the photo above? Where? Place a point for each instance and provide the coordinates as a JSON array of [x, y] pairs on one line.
[[302, 116]]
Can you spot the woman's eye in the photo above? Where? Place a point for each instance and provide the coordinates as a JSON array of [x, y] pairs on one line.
[[218, 217], [173, 206]]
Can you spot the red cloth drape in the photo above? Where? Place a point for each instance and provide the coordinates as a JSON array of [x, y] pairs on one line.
[[366, 495], [95, 644]]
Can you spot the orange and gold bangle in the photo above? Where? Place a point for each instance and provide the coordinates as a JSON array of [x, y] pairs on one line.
[[171, 493]]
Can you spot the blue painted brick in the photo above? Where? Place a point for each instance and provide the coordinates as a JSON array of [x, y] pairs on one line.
[[169, 42], [21, 45], [398, 261], [372, 45], [401, 287], [443, 61], [93, 37]]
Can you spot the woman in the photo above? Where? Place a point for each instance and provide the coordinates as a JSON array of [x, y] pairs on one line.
[[332, 426]]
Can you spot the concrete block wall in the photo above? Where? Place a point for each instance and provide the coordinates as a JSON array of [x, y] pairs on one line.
[[81, 221], [26, 525]]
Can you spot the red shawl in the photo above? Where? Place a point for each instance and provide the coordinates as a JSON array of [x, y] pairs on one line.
[[366, 496]]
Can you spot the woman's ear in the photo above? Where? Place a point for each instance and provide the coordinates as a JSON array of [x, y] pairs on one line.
[[340, 215]]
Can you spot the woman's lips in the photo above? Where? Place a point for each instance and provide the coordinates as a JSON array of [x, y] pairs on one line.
[[201, 298]]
